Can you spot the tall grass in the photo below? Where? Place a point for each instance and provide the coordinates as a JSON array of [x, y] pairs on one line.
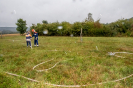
[[80, 63]]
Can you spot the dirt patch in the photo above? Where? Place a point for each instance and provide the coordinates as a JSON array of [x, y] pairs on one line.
[[11, 34]]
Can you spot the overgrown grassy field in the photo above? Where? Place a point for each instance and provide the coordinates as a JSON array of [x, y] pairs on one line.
[[83, 63]]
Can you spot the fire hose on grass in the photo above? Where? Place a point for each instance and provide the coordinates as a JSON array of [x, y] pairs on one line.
[[56, 85]]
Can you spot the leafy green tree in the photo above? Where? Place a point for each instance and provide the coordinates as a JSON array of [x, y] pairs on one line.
[[66, 30], [76, 28], [44, 22], [38, 28], [52, 28], [43, 28], [97, 24], [89, 19], [32, 27], [21, 26], [88, 28]]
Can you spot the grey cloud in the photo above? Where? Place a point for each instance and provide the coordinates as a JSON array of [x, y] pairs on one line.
[[34, 11]]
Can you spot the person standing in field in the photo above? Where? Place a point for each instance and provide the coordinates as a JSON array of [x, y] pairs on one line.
[[28, 38], [35, 34]]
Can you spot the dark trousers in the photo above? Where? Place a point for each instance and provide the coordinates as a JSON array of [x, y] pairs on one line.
[[36, 42], [28, 43]]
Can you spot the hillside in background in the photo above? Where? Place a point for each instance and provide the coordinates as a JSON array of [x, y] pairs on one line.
[[9, 30]]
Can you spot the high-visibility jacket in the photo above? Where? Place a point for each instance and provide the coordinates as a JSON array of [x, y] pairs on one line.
[[28, 37]]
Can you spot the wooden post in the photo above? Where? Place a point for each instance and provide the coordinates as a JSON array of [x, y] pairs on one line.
[[81, 30], [81, 36]]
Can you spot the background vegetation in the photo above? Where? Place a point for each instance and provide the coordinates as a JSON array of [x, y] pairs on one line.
[[122, 27]]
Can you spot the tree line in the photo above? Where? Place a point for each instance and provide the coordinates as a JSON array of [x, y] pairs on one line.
[[121, 27]]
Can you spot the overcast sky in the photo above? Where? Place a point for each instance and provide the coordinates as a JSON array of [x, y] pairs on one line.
[[34, 11]]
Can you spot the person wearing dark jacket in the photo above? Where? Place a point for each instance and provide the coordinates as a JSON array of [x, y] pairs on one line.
[[35, 34]]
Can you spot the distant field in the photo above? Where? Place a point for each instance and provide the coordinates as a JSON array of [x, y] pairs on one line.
[[75, 64], [17, 34]]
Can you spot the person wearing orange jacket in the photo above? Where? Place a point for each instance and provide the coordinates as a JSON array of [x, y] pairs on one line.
[[35, 34]]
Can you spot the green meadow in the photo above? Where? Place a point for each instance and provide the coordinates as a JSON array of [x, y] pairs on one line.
[[78, 63]]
